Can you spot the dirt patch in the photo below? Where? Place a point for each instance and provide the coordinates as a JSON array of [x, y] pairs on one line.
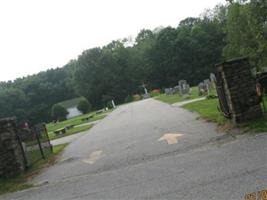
[[227, 127]]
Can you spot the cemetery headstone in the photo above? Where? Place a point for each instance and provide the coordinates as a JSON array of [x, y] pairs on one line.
[[207, 84], [169, 91], [213, 80], [202, 89], [146, 96], [176, 89], [184, 88]]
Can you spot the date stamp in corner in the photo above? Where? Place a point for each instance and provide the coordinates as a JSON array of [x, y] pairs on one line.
[[260, 195]]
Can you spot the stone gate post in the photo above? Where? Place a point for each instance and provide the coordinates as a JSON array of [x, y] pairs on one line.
[[240, 90], [11, 158]]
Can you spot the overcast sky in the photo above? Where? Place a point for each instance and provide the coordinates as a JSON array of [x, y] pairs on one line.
[[36, 35]]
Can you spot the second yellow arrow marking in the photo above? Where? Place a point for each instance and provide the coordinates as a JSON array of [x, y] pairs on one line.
[[96, 155], [171, 138]]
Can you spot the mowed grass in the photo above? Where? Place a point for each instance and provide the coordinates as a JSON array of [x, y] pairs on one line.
[[20, 181], [170, 99], [208, 109], [259, 125], [75, 121], [53, 136]]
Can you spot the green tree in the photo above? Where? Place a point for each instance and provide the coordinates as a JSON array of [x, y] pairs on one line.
[[159, 58], [59, 112], [247, 31], [84, 106]]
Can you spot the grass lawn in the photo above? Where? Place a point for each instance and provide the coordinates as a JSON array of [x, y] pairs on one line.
[[53, 136], [208, 110], [20, 182], [51, 127], [170, 99], [259, 125], [75, 121]]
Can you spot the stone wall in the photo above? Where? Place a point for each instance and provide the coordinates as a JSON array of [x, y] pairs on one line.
[[240, 90], [11, 158]]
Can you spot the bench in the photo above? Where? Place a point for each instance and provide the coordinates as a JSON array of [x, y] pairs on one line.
[[69, 126], [87, 118]]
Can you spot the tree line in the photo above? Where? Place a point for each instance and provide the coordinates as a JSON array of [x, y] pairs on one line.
[[157, 58]]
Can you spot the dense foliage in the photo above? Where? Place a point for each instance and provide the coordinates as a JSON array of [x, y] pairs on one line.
[[59, 112], [84, 106], [157, 58], [246, 30], [31, 98]]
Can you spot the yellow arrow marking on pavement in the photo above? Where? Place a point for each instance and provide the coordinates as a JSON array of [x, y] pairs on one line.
[[171, 138], [96, 155]]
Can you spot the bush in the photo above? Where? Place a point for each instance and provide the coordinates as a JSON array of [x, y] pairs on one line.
[[155, 92], [59, 112], [84, 106], [137, 97], [212, 96], [128, 99]]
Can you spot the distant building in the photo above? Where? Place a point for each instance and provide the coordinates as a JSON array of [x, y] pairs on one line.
[[71, 106]]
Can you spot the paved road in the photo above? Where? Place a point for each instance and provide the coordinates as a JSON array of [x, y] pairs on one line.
[[125, 157], [67, 139]]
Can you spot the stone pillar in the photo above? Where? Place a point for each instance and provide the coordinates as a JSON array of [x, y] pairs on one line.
[[240, 90], [11, 158]]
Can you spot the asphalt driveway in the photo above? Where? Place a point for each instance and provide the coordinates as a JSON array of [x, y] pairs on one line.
[[152, 150]]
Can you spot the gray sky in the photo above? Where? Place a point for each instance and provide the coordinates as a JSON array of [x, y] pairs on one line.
[[39, 34]]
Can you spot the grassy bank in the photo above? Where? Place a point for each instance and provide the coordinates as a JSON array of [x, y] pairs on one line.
[[74, 121], [53, 136], [79, 124], [20, 182], [208, 110]]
